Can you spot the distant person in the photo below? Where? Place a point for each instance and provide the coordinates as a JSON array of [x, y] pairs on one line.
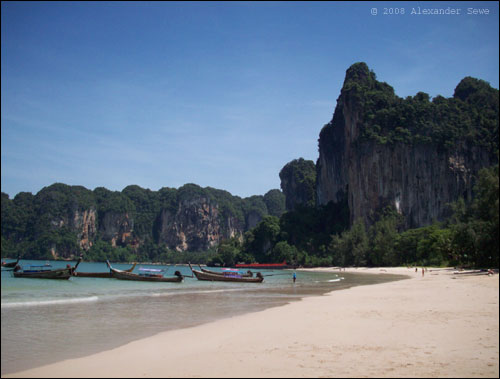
[[294, 277], [416, 269], [422, 272]]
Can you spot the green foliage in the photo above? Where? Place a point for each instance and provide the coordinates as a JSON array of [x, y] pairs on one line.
[[382, 236], [228, 251], [475, 229], [146, 207], [32, 226], [310, 228], [167, 198], [298, 181], [470, 237], [112, 202], [264, 236], [282, 251], [275, 202], [299, 237], [351, 247], [102, 251], [315, 236], [256, 205], [180, 257], [469, 118], [17, 217]]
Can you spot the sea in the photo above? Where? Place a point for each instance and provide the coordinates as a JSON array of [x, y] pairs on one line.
[[46, 321]]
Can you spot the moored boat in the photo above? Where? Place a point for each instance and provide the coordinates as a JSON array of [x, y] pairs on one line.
[[10, 264], [99, 274], [226, 271], [44, 271], [146, 275], [227, 277]]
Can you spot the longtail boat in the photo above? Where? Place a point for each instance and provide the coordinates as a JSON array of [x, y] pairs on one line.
[[11, 264], [146, 275], [225, 271], [45, 272], [264, 266], [99, 274], [228, 277]]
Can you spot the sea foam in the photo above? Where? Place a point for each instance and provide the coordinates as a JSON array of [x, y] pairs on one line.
[[48, 302]]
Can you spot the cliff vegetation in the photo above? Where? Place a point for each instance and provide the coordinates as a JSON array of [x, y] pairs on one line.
[[62, 222]]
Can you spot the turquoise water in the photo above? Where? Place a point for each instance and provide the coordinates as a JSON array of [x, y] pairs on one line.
[[45, 321]]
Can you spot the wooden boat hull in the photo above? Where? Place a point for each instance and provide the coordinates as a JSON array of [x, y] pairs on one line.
[[10, 264], [99, 274], [247, 275], [221, 278], [53, 274], [129, 276], [61, 273]]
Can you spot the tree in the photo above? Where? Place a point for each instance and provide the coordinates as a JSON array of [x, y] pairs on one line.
[[282, 251], [260, 241], [383, 238], [351, 247], [475, 229]]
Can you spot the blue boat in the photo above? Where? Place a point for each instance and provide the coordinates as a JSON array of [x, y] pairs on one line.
[[44, 271]]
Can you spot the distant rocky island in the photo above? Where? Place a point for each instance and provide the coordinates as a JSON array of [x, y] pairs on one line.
[[415, 156]]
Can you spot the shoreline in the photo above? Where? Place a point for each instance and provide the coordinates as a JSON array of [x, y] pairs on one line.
[[436, 325]]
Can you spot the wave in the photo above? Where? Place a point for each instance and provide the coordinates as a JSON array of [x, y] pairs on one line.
[[162, 294], [329, 281], [9, 305], [48, 302], [335, 280]]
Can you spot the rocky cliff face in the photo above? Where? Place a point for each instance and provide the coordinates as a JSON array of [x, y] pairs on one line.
[[196, 225], [116, 228], [84, 223], [61, 221], [417, 179]]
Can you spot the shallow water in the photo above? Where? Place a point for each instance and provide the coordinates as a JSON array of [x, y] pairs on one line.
[[45, 321]]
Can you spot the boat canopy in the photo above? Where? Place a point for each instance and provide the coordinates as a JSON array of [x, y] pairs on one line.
[[38, 268], [45, 266], [153, 270]]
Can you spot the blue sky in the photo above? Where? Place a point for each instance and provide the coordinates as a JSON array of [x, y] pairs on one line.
[[217, 94]]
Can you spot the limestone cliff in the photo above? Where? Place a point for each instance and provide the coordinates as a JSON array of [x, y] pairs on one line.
[[400, 163], [63, 221], [84, 223], [195, 225], [117, 228]]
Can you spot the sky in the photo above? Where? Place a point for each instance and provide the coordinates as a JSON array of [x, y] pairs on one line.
[[221, 94]]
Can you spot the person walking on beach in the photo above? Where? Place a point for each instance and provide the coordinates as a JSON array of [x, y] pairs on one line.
[[294, 277], [422, 272]]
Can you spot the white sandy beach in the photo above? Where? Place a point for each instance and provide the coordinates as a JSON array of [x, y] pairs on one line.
[[439, 325]]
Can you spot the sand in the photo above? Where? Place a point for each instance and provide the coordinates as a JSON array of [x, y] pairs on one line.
[[438, 325]]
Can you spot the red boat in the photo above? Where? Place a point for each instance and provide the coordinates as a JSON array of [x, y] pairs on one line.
[[264, 266]]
